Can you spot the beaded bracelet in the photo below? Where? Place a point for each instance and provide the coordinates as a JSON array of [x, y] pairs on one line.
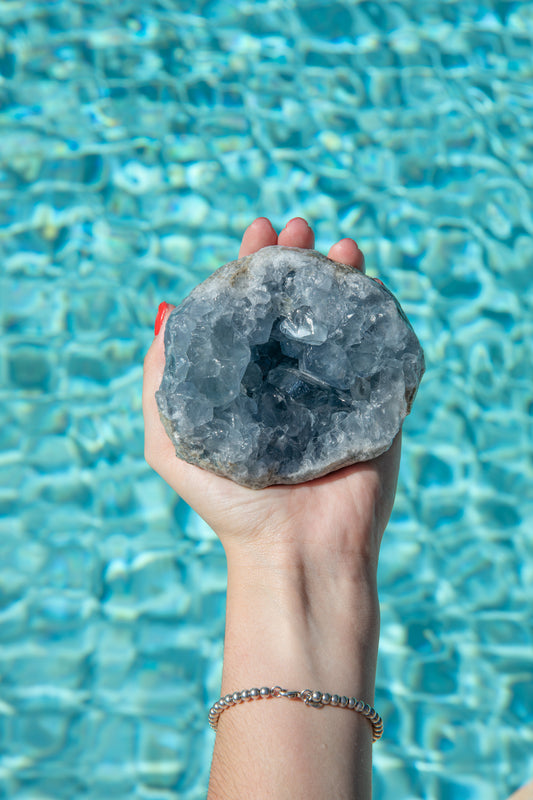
[[310, 698]]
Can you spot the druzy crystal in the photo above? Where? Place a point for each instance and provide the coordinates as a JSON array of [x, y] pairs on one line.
[[285, 365]]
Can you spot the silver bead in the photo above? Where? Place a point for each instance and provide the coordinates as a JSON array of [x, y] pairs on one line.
[[335, 700], [245, 695], [228, 699], [359, 705], [343, 702], [265, 691], [366, 710], [351, 702], [326, 699], [316, 697], [254, 693], [236, 697]]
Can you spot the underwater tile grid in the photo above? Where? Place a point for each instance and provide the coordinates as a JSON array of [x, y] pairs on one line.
[[137, 141]]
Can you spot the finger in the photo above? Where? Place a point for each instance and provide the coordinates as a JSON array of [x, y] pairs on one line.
[[257, 235], [297, 233], [157, 442], [347, 252]]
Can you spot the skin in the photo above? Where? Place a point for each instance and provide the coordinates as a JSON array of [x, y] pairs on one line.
[[302, 606], [525, 793], [241, 517]]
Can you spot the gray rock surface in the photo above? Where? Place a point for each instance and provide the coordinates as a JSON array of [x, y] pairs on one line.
[[284, 366]]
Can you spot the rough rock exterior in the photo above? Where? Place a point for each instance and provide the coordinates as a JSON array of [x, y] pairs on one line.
[[284, 366]]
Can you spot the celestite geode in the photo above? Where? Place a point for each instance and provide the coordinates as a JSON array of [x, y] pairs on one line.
[[284, 366]]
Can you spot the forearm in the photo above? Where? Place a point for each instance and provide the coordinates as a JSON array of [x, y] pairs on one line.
[[299, 622]]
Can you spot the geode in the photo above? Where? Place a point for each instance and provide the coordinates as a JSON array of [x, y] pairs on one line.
[[284, 366]]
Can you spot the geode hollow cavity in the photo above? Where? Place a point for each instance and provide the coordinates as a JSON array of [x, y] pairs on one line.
[[284, 366]]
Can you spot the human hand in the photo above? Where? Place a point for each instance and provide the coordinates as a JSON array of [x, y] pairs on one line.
[[301, 602], [343, 513]]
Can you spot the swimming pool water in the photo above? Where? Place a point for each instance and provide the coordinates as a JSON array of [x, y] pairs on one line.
[[137, 142]]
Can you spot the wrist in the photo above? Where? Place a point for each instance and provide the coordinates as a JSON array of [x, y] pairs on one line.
[[300, 616], [329, 554], [302, 613]]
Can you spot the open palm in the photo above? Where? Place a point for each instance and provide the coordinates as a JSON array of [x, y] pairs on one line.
[[347, 509]]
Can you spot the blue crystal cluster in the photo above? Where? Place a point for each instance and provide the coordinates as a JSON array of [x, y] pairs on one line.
[[285, 365]]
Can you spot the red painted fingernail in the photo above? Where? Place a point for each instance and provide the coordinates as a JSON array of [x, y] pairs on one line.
[[161, 311], [378, 281]]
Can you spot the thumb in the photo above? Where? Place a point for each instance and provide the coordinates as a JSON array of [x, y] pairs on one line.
[[156, 439]]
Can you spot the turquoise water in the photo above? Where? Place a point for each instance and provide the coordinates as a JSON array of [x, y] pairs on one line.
[[137, 140]]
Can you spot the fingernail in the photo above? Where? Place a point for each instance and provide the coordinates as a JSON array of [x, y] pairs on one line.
[[161, 311]]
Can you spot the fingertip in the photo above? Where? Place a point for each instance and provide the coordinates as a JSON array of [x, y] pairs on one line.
[[261, 221], [297, 221], [260, 233], [297, 233], [162, 312], [347, 251], [155, 356]]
